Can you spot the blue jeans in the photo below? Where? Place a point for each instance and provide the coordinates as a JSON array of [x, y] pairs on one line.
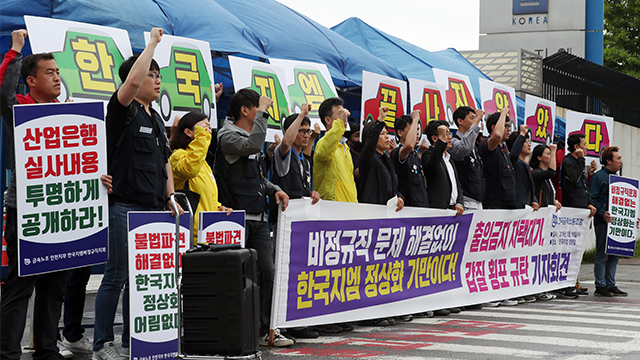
[[116, 277], [257, 237], [604, 268]]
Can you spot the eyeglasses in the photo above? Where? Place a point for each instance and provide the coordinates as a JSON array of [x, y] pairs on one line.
[[304, 132], [155, 76]]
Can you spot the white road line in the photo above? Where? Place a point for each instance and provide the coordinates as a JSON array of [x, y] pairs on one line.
[[591, 357], [491, 350], [621, 301], [529, 309], [564, 330], [610, 323], [623, 347], [552, 341], [395, 357]]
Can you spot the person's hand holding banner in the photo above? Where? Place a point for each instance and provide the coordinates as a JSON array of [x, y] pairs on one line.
[[558, 205], [315, 197], [107, 182], [399, 204], [281, 196], [607, 217]]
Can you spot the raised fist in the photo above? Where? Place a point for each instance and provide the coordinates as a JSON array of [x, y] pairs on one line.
[[383, 110], [305, 109], [156, 35], [17, 39], [264, 103]]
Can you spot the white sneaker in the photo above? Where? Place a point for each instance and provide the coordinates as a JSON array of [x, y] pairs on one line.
[[82, 346], [509, 302], [545, 296], [279, 340], [66, 353], [108, 352], [491, 304], [124, 354]]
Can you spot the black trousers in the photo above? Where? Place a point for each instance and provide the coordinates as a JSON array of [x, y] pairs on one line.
[[74, 303], [15, 300]]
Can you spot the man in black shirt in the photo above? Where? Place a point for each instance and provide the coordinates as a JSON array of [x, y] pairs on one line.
[[405, 158], [525, 194], [499, 172], [355, 146], [138, 154], [573, 177], [443, 186]]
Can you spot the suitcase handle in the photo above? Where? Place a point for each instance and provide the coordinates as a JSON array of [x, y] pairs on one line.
[[212, 247], [224, 247]]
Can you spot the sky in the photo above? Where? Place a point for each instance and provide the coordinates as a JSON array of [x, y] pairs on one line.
[[425, 23]]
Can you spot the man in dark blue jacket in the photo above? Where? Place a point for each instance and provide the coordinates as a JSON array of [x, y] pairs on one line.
[[605, 265]]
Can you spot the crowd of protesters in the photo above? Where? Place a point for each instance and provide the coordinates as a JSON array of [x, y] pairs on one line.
[[462, 171]]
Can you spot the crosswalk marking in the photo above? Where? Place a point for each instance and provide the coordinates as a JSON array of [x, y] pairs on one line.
[[553, 340], [582, 318], [473, 349], [490, 350], [568, 329]]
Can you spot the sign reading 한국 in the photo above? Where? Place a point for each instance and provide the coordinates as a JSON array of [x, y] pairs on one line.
[[623, 206]]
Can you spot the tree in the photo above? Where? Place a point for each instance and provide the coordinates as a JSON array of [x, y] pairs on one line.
[[621, 30]]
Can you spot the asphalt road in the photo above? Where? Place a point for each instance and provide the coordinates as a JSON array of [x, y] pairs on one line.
[[585, 328]]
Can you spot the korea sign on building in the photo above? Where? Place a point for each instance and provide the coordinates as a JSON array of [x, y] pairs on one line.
[[540, 26]]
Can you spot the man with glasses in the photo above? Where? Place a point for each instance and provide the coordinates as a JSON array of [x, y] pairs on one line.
[[138, 154], [292, 170]]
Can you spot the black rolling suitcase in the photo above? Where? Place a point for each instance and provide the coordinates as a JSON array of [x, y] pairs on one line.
[[220, 302]]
